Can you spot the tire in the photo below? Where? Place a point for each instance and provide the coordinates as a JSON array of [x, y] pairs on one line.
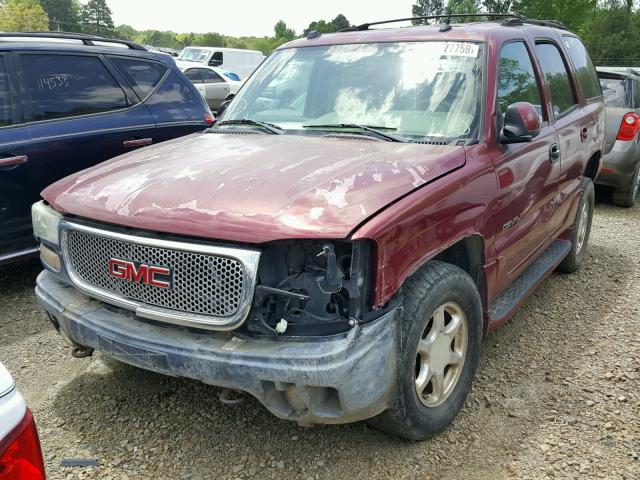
[[627, 196], [436, 286], [579, 237]]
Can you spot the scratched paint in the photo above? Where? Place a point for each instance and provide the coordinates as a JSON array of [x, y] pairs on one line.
[[252, 188]]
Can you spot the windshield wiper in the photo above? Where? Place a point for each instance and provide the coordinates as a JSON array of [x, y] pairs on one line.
[[367, 128], [270, 127]]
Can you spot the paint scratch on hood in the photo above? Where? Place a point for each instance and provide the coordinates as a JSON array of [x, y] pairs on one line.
[[337, 195]]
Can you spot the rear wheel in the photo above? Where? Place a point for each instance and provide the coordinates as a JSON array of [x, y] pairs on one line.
[[627, 196], [441, 336], [581, 229]]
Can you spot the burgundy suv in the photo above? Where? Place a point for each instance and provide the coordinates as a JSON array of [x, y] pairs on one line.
[[371, 204]]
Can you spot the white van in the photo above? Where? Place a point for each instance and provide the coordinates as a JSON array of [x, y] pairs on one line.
[[239, 61]]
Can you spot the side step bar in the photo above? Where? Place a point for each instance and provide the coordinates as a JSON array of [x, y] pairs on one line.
[[505, 304]]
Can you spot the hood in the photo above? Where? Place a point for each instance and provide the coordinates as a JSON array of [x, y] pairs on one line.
[[252, 188]]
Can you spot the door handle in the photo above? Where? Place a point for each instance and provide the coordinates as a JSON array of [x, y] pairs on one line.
[[15, 160], [554, 153], [137, 142], [584, 133]]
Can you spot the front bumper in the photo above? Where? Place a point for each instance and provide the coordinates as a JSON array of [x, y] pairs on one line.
[[337, 379]]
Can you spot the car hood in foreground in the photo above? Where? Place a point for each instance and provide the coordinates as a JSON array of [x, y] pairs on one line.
[[252, 188]]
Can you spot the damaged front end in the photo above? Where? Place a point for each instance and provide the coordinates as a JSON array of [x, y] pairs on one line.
[[313, 288]]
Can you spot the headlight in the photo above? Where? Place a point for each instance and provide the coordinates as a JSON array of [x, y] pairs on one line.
[[45, 222]]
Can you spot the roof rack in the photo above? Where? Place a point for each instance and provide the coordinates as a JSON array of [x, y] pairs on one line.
[[86, 39], [512, 20], [447, 18], [519, 21]]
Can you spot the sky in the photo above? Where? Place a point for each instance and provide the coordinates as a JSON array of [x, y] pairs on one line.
[[248, 17]]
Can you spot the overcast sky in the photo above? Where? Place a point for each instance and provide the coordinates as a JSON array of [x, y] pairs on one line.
[[248, 17]]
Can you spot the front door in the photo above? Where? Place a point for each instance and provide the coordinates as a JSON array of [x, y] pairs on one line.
[[527, 173]]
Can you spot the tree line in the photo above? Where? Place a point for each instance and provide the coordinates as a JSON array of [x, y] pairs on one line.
[[610, 28], [95, 17]]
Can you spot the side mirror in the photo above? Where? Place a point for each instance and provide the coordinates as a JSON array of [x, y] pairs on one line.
[[223, 106], [521, 123]]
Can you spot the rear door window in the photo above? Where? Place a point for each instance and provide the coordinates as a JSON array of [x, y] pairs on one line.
[[517, 80], [6, 112], [585, 70], [61, 86], [142, 75], [563, 97], [209, 76], [193, 74], [616, 91]]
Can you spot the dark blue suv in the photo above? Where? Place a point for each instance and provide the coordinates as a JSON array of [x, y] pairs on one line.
[[68, 102]]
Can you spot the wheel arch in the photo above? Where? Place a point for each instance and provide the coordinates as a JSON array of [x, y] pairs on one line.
[[593, 166]]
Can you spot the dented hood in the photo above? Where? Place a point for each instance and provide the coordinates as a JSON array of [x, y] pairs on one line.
[[252, 188]]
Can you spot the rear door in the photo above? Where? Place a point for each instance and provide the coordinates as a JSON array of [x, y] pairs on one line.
[[572, 118], [15, 200], [79, 115], [216, 89], [527, 174]]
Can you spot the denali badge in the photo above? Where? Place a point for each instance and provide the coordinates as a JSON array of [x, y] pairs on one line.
[[140, 273]]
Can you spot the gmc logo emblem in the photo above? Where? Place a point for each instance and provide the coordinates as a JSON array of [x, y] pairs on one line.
[[140, 273]]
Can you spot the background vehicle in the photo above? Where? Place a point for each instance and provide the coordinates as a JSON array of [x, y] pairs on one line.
[[242, 62], [621, 165], [67, 106], [343, 255], [20, 453], [214, 84]]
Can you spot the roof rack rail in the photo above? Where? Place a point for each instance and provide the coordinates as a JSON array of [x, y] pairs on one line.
[[447, 18], [86, 39], [519, 21]]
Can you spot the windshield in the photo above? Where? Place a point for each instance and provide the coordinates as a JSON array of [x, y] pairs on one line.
[[415, 89], [194, 55]]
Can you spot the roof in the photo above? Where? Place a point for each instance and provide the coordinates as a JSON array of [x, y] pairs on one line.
[[620, 71], [224, 49], [471, 32]]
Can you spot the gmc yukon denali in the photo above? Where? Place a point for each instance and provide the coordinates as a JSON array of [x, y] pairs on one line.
[[369, 206]]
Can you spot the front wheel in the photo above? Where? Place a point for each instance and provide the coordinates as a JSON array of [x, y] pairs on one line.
[[441, 335], [581, 229]]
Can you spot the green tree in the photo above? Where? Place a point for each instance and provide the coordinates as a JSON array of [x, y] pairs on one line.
[[210, 39], [23, 15], [341, 22], [282, 31], [63, 15], [96, 18], [125, 32], [427, 8]]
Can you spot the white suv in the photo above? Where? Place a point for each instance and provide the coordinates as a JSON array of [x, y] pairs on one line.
[[20, 453]]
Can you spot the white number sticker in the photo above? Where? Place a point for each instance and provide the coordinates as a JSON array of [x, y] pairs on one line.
[[461, 49]]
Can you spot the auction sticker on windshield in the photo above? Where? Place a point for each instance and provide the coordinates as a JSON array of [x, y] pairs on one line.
[[461, 49]]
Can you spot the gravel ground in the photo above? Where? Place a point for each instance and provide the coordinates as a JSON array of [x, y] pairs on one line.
[[556, 395]]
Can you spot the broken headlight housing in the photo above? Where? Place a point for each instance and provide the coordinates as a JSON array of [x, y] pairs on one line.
[[313, 287]]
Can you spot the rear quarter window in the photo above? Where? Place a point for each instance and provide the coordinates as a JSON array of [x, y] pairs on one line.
[[61, 86], [585, 70], [616, 92], [142, 75]]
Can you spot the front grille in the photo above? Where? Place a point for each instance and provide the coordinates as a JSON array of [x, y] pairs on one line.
[[202, 283]]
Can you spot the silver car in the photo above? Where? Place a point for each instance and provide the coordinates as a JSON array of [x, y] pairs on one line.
[[215, 84], [621, 165]]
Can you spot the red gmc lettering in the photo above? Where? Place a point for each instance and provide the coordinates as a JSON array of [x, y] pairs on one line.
[[145, 274]]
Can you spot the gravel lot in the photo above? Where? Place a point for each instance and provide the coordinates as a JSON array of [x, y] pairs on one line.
[[556, 395]]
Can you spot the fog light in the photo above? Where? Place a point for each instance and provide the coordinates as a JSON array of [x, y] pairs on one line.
[[50, 258]]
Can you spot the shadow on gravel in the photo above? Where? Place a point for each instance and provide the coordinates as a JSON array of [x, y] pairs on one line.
[[19, 312], [133, 418]]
